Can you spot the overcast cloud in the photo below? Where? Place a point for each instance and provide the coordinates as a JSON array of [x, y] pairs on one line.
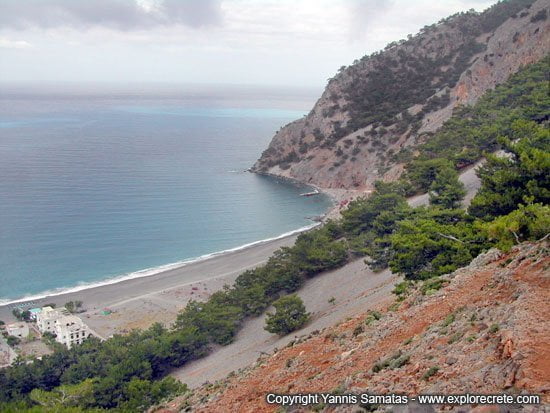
[[117, 14], [292, 42]]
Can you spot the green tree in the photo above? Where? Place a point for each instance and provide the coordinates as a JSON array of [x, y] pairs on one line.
[[13, 341], [529, 222], [215, 319], [252, 300], [361, 213], [522, 175], [446, 191], [140, 394], [434, 242], [65, 396], [315, 251], [71, 308], [290, 314], [17, 313], [21, 315], [422, 173]]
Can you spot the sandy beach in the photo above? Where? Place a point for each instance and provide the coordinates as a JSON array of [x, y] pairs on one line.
[[138, 302]]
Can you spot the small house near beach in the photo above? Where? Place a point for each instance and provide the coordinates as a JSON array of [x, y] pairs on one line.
[[19, 330]]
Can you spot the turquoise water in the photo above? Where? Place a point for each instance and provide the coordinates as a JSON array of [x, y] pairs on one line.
[[96, 187]]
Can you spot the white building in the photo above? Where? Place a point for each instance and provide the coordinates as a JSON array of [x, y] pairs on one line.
[[45, 320], [20, 330], [70, 330]]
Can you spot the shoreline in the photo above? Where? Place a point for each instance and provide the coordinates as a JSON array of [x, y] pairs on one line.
[[336, 195], [137, 302], [158, 294], [29, 300], [146, 272]]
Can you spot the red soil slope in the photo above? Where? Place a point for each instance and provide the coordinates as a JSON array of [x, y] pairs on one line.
[[486, 331]]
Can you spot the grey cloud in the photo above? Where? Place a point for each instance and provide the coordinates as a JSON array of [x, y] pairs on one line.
[[194, 13], [364, 12], [116, 14]]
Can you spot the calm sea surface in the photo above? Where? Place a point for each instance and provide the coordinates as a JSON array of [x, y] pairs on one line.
[[99, 185]]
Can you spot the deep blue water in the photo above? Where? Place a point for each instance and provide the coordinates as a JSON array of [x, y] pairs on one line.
[[94, 187]]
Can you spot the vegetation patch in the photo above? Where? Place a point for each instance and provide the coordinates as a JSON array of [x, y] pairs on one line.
[[129, 372], [395, 361], [432, 285], [432, 371], [372, 317], [450, 319], [290, 314]]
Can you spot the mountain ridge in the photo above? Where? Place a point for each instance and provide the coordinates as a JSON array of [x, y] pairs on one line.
[[353, 134]]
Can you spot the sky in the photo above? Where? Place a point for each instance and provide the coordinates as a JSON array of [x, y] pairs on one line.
[[257, 42]]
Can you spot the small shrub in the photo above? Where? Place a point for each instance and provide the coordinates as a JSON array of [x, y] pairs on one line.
[[541, 15], [13, 341], [450, 319], [431, 286], [393, 307], [400, 362], [494, 328], [330, 336], [455, 337], [401, 289], [393, 362], [372, 317], [432, 371]]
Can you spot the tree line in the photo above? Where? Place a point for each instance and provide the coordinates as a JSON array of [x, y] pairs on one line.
[[129, 372]]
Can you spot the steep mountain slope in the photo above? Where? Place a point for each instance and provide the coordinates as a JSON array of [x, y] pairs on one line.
[[485, 330], [396, 98]]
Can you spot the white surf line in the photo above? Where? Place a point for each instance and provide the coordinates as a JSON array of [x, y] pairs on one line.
[[147, 272], [139, 297]]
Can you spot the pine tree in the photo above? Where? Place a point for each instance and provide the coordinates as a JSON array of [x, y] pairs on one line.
[[290, 315], [446, 190]]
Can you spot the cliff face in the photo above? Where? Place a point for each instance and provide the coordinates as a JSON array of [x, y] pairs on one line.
[[394, 99], [484, 331]]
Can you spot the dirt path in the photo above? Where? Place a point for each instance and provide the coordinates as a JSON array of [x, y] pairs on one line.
[[468, 178]]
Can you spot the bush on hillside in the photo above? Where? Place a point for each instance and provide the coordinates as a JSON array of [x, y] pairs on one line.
[[290, 314]]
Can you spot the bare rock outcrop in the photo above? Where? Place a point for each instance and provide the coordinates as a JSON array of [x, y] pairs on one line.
[[388, 101]]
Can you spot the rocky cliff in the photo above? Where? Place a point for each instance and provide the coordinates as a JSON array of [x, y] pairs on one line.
[[481, 329], [394, 99]]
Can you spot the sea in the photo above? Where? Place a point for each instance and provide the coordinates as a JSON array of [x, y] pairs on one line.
[[100, 183]]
